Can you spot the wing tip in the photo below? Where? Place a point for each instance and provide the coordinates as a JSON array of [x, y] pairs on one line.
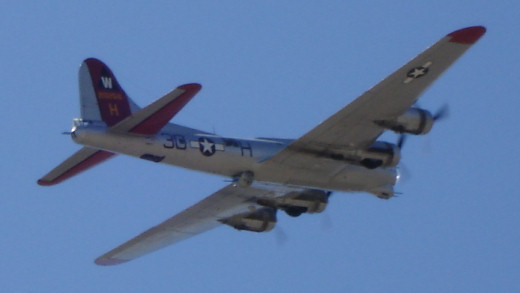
[[469, 35], [109, 261], [191, 87], [43, 182]]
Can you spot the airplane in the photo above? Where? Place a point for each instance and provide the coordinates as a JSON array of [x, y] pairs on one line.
[[266, 175]]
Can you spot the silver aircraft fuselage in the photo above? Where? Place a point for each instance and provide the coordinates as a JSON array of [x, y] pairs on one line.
[[196, 150]]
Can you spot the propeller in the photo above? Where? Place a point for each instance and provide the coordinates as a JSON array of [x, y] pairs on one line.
[[401, 140], [404, 173], [442, 113], [280, 235], [326, 222]]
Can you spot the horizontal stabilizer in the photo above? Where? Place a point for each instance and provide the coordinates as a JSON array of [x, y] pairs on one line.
[[155, 116], [75, 164]]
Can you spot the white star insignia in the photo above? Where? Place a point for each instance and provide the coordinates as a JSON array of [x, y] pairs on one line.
[[417, 72], [207, 147]]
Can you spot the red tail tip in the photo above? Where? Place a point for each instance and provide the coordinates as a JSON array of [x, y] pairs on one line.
[[468, 35]]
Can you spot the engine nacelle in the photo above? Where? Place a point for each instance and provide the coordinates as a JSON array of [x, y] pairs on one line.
[[413, 121], [380, 154], [261, 220], [296, 203]]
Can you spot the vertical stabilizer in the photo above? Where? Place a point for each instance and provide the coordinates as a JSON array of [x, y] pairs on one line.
[[101, 96]]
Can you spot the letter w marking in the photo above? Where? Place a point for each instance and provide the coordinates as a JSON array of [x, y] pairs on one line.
[[107, 82]]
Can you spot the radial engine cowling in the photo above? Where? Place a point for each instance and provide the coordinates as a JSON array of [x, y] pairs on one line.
[[380, 154], [296, 203], [260, 220], [413, 121]]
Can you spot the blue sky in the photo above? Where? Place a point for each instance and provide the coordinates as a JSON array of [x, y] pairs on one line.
[[268, 68]]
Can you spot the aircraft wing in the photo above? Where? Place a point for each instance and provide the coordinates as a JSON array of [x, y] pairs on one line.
[[354, 127], [205, 215]]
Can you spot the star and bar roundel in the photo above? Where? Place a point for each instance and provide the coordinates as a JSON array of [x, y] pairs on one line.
[[417, 72], [207, 146]]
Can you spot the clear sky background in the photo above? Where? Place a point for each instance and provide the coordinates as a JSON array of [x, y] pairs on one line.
[[268, 68]]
